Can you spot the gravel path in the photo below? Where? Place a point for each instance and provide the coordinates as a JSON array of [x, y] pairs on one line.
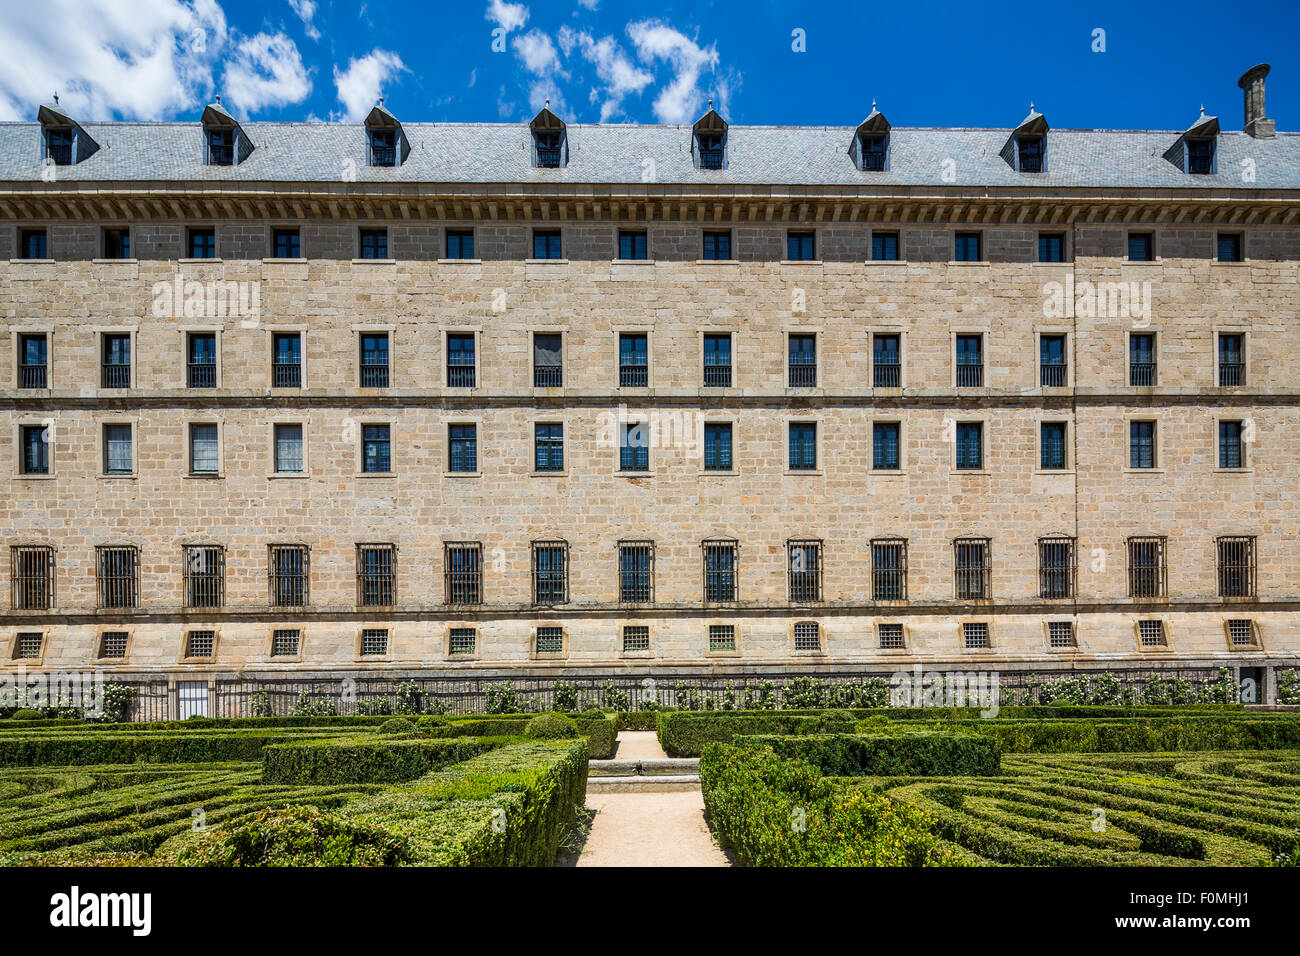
[[638, 745], [649, 829]]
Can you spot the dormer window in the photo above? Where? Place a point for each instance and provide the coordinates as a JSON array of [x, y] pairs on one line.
[[550, 142], [710, 140], [1029, 150], [1026, 149], [224, 142], [383, 147], [386, 144], [58, 145], [63, 141], [221, 147], [1200, 156], [873, 153], [870, 146]]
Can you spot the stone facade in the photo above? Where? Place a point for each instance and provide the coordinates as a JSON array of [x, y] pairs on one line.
[[589, 297]]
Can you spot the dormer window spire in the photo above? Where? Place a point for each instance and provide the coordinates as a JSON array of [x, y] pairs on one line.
[[550, 140], [224, 140], [709, 140], [386, 144], [63, 141], [870, 146]]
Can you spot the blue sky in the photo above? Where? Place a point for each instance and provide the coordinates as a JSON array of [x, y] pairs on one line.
[[927, 63]]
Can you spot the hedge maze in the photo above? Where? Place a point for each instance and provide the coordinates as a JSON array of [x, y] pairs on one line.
[[341, 791]]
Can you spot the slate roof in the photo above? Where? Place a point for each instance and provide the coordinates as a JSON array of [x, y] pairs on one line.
[[612, 154]]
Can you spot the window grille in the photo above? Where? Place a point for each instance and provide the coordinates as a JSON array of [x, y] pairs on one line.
[[285, 642], [1236, 566], [1232, 363], [550, 640], [1241, 632], [205, 575], [1146, 567], [463, 572], [33, 361], [374, 361], [462, 641], [807, 636], [115, 365], [288, 575], [31, 577], [971, 561], [636, 571], [1142, 360], [886, 362], [550, 572], [1060, 634], [201, 367], [720, 571], [113, 644], [717, 361], [889, 569], [1052, 361], [722, 637], [460, 360], [117, 577], [633, 360], [636, 637], [1151, 633], [286, 360], [891, 636], [803, 361], [970, 361], [374, 641], [376, 575], [975, 634], [200, 643], [1056, 567], [27, 646], [805, 571]]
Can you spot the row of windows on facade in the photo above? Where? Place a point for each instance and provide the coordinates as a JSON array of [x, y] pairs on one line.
[[375, 451], [201, 644], [715, 244], [203, 570], [375, 360]]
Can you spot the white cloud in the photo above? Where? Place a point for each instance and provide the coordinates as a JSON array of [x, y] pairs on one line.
[[306, 11], [589, 4], [616, 71], [266, 70], [147, 59], [360, 85], [508, 16], [537, 52], [681, 100]]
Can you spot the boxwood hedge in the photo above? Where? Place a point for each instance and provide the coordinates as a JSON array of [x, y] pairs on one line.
[[908, 753], [369, 759], [600, 729]]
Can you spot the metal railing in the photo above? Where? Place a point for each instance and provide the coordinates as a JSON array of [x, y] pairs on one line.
[[1231, 374], [460, 376], [886, 375], [548, 157], [717, 376], [803, 375], [1053, 375], [633, 376], [286, 375], [202, 375], [1142, 374], [1146, 567], [970, 376], [374, 376], [548, 376], [710, 158], [32, 376], [115, 375]]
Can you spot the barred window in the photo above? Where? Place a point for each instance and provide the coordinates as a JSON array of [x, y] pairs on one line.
[[285, 642], [376, 575], [1232, 360], [805, 570], [548, 360], [891, 636], [550, 572], [807, 636], [971, 565], [1060, 634], [117, 576], [803, 361], [374, 641], [1241, 633], [1056, 567], [27, 645], [970, 360], [461, 641], [889, 569], [1146, 567], [112, 644], [717, 360], [886, 361], [31, 577], [200, 643], [550, 640], [1151, 633], [722, 637], [975, 634], [374, 359], [633, 360], [460, 359], [636, 571], [463, 572], [1236, 566], [636, 637], [720, 571], [286, 360], [205, 575], [289, 575]]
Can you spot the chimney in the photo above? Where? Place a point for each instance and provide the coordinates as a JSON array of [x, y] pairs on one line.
[[1252, 82]]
